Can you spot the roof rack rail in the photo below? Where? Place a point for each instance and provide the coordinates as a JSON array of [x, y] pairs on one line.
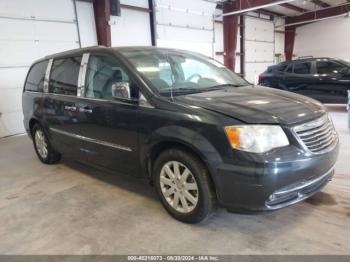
[[74, 50], [305, 57]]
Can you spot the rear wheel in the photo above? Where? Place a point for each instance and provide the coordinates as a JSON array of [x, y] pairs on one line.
[[42, 146], [183, 186], [266, 83]]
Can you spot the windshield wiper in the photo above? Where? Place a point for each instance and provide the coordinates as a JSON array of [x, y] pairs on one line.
[[223, 86], [180, 90]]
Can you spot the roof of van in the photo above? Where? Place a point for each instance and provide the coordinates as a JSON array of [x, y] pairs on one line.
[[100, 47]]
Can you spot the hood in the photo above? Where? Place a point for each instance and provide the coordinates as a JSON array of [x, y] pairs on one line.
[[257, 105]]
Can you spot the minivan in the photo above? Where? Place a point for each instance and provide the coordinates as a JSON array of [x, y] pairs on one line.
[[201, 134]]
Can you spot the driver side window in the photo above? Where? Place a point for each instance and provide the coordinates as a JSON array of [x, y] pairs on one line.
[[102, 73]]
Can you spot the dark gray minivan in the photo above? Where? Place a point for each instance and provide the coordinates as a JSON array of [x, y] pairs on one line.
[[202, 134]]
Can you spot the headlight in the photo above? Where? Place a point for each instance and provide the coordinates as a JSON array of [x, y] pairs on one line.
[[256, 138]]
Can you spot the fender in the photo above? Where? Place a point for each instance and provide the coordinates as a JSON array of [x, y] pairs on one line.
[[185, 137]]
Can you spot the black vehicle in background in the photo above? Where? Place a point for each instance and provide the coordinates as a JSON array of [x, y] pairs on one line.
[[202, 134], [324, 79]]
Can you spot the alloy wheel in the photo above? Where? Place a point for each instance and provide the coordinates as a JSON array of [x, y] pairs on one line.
[[40, 143], [179, 187]]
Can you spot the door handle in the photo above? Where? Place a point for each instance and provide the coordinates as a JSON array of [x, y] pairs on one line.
[[70, 108], [85, 110]]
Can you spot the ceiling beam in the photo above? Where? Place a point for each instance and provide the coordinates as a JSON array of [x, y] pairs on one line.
[[319, 14], [320, 3], [294, 8], [243, 6], [269, 12]]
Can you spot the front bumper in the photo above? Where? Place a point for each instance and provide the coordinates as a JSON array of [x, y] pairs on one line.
[[275, 180]]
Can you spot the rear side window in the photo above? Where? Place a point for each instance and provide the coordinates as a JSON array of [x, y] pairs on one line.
[[64, 76], [36, 76], [302, 68], [281, 68], [327, 67]]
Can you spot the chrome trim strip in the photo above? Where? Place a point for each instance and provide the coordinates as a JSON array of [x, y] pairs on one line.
[[32, 92], [92, 140], [326, 142], [316, 130], [320, 122], [82, 75], [301, 197], [302, 184], [317, 135], [104, 100], [47, 76], [310, 125]]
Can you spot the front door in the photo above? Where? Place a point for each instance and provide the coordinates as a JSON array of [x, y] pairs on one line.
[[331, 84], [109, 126], [299, 78]]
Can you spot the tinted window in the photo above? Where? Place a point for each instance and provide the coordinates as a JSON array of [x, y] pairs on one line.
[[64, 76], [302, 68], [281, 68], [326, 67], [290, 69], [36, 76], [102, 73]]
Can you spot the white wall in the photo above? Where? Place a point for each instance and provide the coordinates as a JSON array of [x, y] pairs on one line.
[[132, 27], [328, 38], [29, 30]]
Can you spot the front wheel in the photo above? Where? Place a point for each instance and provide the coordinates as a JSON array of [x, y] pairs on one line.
[[183, 186], [42, 146]]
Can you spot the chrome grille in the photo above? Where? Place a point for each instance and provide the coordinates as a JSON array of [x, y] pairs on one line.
[[318, 136]]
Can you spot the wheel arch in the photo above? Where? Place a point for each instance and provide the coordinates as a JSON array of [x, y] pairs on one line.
[[32, 122], [193, 143]]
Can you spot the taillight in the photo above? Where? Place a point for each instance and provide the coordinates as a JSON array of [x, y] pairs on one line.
[[261, 78]]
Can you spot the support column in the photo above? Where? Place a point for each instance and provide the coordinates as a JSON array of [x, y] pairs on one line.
[[242, 44], [289, 39], [152, 22], [230, 24], [102, 16]]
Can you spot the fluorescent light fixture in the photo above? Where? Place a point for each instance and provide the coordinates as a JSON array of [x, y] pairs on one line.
[[345, 15], [256, 8]]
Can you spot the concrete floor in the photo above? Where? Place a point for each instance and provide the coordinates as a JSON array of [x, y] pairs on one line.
[[73, 209]]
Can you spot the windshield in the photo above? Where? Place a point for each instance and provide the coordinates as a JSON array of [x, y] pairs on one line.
[[345, 62], [174, 73]]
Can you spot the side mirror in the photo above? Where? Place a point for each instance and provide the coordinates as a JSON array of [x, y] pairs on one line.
[[121, 90]]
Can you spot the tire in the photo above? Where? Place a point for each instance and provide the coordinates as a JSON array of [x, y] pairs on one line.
[[266, 83], [41, 142], [192, 208]]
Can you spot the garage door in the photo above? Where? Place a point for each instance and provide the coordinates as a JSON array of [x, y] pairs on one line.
[[132, 27], [190, 28], [259, 46], [29, 29]]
